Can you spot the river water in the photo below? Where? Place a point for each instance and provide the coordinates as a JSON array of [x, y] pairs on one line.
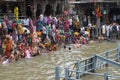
[[42, 67]]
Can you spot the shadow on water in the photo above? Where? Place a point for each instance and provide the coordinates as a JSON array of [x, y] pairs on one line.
[[43, 67]]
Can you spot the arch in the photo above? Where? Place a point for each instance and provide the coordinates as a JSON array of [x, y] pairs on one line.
[[28, 11], [38, 10], [88, 11], [3, 8], [92, 17], [48, 10], [114, 14], [59, 9]]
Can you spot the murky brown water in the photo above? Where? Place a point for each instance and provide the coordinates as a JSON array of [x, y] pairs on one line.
[[43, 67]]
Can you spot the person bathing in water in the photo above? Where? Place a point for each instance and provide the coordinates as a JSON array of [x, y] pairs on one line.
[[100, 38]]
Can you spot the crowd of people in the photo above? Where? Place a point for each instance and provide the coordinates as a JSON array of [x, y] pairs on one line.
[[30, 37]]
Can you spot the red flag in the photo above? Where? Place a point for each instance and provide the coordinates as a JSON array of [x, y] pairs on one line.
[[97, 9], [98, 12], [99, 15]]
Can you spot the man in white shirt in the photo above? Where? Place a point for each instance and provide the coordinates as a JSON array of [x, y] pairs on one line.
[[26, 22]]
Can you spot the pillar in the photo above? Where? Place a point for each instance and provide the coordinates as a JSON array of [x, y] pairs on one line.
[[66, 73], [78, 69], [35, 7], [107, 57], [106, 76], [24, 14], [57, 73]]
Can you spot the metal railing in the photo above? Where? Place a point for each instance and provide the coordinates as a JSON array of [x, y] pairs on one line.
[[91, 1], [80, 68]]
